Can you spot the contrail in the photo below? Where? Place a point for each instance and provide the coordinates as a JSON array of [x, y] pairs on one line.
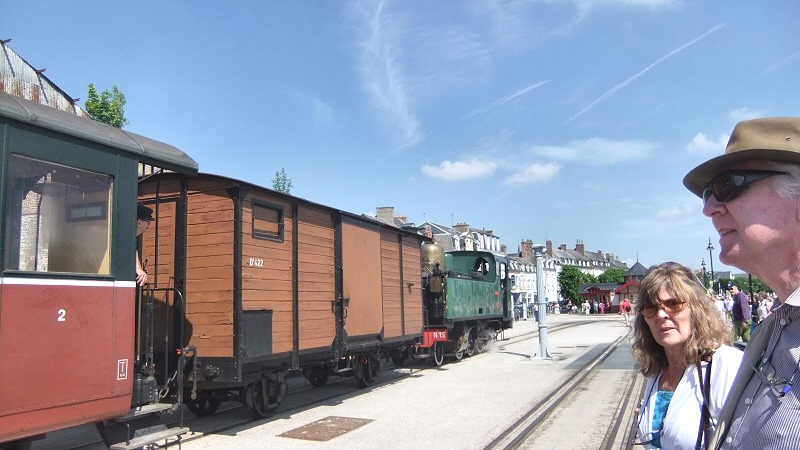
[[503, 100], [611, 92]]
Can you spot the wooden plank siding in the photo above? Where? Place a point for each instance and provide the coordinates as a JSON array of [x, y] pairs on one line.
[[267, 272], [316, 278], [412, 285], [209, 269], [391, 285]]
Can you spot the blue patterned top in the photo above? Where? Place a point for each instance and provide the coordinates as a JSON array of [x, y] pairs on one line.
[[659, 412]]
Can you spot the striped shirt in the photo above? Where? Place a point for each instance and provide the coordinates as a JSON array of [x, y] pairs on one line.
[[768, 413]]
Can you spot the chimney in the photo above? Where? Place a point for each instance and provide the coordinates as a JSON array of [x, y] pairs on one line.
[[429, 231], [549, 245], [562, 247], [385, 213], [527, 249], [461, 227], [579, 247], [504, 249], [402, 218]]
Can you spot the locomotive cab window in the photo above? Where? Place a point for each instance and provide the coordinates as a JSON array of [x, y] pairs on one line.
[[267, 221], [57, 218]]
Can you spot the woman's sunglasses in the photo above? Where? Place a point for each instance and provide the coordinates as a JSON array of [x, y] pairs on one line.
[[670, 306], [730, 184]]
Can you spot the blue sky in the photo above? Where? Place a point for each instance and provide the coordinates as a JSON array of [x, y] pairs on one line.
[[542, 119]]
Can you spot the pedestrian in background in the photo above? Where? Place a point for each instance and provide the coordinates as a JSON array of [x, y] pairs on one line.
[[728, 306], [683, 346], [625, 310], [741, 313], [752, 195]]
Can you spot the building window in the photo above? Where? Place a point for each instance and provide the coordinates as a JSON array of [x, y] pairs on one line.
[[267, 221]]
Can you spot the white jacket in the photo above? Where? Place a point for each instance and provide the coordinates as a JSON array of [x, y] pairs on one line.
[[682, 421]]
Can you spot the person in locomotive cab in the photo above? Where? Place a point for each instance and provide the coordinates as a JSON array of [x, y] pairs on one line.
[[144, 216]]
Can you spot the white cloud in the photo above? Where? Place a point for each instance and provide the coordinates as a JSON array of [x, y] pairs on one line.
[[533, 173], [745, 114], [383, 74], [461, 170], [701, 144], [676, 211], [598, 151]]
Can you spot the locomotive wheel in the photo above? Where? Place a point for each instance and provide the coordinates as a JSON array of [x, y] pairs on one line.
[[437, 354], [480, 345], [256, 399], [471, 347], [366, 369], [316, 375], [201, 406], [459, 355]]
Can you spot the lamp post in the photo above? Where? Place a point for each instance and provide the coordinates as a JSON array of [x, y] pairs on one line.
[[544, 353], [710, 248], [703, 269]]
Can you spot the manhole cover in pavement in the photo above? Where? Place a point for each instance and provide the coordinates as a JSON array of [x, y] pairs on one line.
[[326, 429]]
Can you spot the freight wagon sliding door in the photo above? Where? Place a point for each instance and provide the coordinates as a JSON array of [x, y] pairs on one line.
[[361, 263]]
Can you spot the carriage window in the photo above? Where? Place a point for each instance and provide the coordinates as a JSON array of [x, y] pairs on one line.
[[267, 222], [57, 218]]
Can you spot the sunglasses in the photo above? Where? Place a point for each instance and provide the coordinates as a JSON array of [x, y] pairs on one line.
[[670, 306], [730, 184]]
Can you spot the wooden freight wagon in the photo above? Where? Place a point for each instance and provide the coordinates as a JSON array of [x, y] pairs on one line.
[[273, 283]]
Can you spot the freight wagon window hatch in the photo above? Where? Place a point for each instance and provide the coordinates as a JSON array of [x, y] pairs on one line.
[[267, 221], [326, 429]]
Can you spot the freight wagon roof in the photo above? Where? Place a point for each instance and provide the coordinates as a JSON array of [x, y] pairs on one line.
[[146, 150], [309, 202]]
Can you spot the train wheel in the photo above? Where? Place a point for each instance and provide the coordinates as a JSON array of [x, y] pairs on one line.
[[257, 401], [316, 375], [366, 370], [201, 406], [398, 357], [437, 354], [480, 345], [459, 355], [470, 347]]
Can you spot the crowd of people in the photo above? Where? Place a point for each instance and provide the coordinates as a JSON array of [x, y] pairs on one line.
[[703, 392]]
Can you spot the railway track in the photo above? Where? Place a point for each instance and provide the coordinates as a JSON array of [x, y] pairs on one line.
[[543, 425]]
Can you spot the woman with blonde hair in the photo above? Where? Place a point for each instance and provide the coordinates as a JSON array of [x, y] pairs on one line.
[[683, 346]]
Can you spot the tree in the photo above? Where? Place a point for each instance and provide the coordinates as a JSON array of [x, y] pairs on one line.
[[281, 182], [744, 285], [108, 107], [612, 275], [568, 282]]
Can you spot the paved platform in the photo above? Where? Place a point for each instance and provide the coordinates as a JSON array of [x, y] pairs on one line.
[[462, 404]]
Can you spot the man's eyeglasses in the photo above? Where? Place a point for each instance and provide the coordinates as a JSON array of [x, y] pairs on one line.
[[730, 184], [670, 306], [766, 373]]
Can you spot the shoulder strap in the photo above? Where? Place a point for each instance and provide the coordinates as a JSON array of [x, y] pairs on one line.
[[703, 434]]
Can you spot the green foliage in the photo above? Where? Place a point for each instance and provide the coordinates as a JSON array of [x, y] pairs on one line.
[[568, 280], [281, 182], [108, 107], [744, 285], [613, 275]]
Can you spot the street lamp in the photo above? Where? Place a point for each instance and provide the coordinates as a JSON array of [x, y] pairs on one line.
[[544, 353], [703, 269], [710, 248]]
